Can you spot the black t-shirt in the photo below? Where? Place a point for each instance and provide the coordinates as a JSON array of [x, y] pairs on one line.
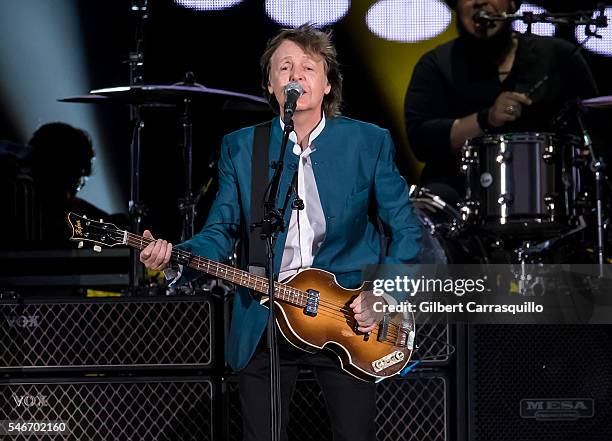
[[452, 81]]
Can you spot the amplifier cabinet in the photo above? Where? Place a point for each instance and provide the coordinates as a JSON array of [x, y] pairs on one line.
[[109, 334], [540, 383], [415, 408], [144, 408]]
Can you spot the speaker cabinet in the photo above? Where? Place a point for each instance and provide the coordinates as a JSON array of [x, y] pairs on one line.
[[110, 409], [540, 383], [414, 408], [108, 334]]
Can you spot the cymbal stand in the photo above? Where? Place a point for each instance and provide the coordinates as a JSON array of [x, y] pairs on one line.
[[136, 209], [598, 167], [188, 203]]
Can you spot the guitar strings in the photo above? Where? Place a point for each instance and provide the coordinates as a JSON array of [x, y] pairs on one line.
[[186, 255], [332, 307]]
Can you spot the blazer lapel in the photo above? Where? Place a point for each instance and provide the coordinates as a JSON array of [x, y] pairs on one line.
[[323, 160]]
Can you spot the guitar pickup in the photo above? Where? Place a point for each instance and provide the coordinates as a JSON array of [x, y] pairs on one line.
[[383, 329], [312, 303]]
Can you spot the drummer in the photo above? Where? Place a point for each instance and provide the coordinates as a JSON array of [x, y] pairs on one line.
[[483, 82]]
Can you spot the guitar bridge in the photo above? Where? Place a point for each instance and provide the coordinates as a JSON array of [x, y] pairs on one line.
[[388, 360], [312, 303], [405, 338]]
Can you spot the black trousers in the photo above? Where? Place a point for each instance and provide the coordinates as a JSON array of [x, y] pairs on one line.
[[351, 403]]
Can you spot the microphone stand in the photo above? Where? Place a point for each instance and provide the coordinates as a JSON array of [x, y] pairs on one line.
[[572, 18], [577, 18], [270, 226]]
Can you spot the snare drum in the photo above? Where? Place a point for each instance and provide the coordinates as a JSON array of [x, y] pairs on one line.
[[520, 183]]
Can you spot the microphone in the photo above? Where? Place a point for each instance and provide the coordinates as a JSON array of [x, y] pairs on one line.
[[482, 18], [293, 91]]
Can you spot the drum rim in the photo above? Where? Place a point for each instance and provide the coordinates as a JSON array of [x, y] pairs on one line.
[[512, 137]]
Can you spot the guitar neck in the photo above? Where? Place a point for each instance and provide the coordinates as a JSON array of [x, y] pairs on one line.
[[226, 272]]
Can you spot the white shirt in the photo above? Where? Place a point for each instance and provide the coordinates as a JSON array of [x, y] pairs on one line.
[[306, 230]]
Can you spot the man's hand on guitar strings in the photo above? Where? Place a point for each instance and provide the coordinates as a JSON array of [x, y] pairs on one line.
[[363, 308], [157, 254]]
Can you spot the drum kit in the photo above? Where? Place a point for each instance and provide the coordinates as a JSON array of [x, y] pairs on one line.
[[529, 198], [527, 194]]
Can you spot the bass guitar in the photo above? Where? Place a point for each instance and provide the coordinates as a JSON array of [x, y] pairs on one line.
[[313, 309]]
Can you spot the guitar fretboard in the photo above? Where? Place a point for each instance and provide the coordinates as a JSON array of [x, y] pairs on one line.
[[225, 272]]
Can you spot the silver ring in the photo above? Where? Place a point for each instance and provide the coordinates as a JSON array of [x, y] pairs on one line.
[[510, 109]]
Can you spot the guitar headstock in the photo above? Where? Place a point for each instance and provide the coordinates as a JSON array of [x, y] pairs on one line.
[[99, 233]]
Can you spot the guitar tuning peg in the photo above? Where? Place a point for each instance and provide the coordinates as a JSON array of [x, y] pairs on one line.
[[80, 245], [97, 248], [85, 216], [101, 220]]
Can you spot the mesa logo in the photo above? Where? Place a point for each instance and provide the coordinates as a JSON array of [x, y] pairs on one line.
[[558, 409]]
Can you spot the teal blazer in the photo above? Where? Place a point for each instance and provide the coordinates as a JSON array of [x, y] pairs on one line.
[[354, 167]]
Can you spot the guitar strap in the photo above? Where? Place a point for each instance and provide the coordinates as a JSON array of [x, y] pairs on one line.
[[260, 167]]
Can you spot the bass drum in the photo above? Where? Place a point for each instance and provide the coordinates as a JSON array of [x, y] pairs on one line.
[[443, 239]]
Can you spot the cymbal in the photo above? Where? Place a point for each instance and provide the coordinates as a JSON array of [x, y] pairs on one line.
[[600, 102], [172, 94], [85, 99], [100, 99]]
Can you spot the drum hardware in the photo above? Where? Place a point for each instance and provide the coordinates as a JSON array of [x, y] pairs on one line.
[[598, 167], [505, 199], [504, 155], [445, 239], [187, 204], [528, 285], [600, 102], [450, 236], [549, 202], [453, 227], [468, 211], [186, 94], [549, 154], [531, 252], [531, 286], [136, 209]]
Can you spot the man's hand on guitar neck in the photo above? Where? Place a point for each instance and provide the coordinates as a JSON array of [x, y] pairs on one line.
[[157, 254], [363, 307]]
